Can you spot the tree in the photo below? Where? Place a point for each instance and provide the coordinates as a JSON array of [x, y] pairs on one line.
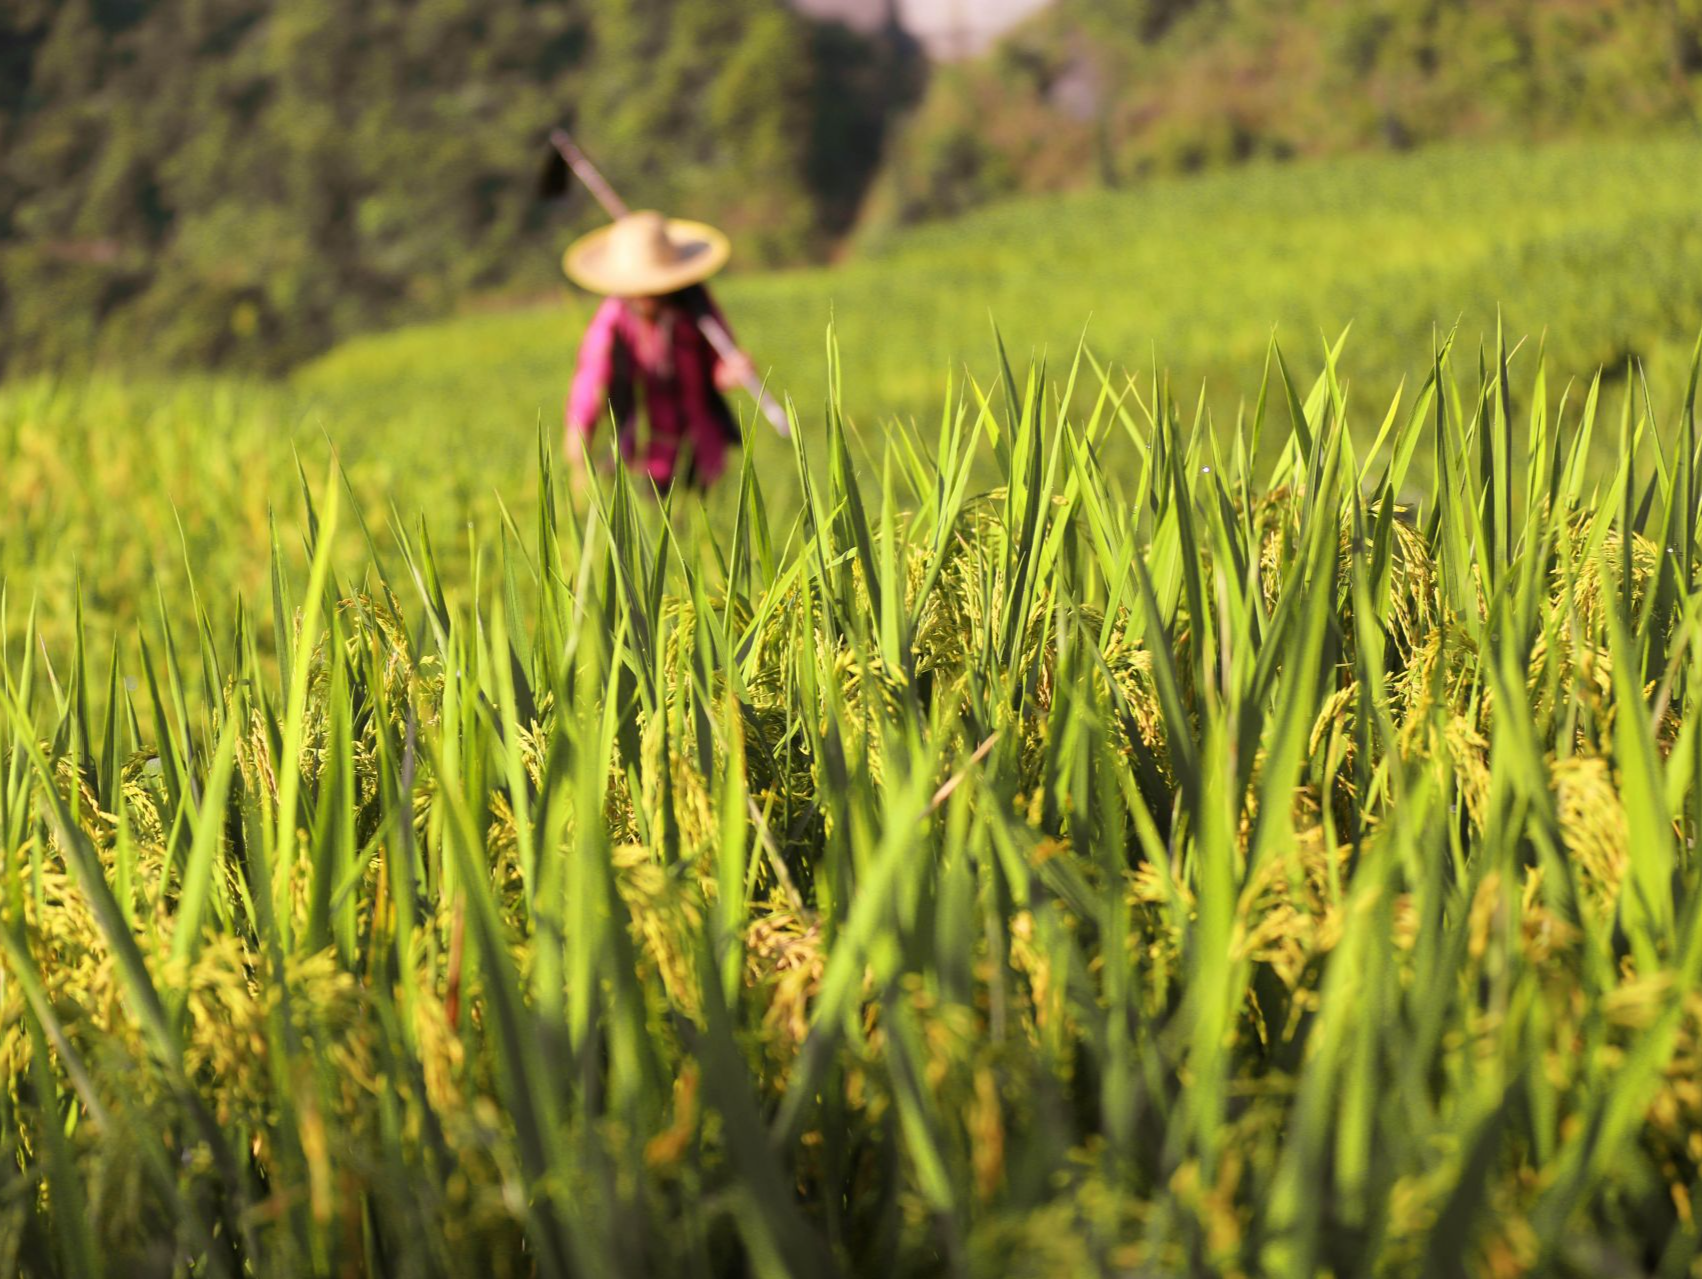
[[243, 181]]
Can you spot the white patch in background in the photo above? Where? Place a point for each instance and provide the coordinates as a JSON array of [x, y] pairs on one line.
[[948, 28]]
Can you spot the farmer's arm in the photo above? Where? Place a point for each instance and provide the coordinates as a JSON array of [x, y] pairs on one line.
[[588, 402]]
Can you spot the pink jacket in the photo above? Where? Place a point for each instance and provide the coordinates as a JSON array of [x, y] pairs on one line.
[[670, 366]]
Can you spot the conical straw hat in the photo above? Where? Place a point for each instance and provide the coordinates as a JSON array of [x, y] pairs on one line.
[[646, 255]]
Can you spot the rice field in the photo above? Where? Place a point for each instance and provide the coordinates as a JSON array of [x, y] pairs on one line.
[[112, 483], [1199, 864], [1590, 245]]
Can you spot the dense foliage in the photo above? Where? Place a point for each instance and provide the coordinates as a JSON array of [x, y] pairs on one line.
[[1109, 91], [241, 181], [1187, 868]]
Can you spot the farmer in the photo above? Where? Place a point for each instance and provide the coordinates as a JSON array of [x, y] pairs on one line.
[[646, 345]]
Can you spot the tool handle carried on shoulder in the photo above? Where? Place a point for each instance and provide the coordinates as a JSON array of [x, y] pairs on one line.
[[712, 329], [718, 337], [589, 174]]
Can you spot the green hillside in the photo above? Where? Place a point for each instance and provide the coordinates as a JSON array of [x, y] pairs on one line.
[[1110, 92], [1594, 242]]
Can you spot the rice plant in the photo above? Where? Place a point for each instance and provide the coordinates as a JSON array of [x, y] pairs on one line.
[[1192, 866]]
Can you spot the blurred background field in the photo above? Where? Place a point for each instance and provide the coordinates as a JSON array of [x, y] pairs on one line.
[[1590, 249], [1597, 243]]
